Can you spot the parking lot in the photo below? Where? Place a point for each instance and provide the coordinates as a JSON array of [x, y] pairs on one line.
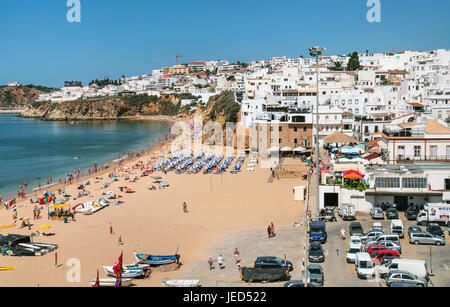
[[289, 242]]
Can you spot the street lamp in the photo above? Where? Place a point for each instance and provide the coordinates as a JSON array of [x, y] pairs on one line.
[[315, 52]]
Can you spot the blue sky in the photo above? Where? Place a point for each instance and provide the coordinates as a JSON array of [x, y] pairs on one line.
[[118, 37]]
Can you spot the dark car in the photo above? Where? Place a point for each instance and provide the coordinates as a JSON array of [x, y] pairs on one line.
[[272, 262], [315, 253], [411, 213], [355, 228], [413, 229], [392, 213], [298, 284], [435, 230], [263, 274]]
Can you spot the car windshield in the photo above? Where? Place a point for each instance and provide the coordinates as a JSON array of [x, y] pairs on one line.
[[354, 250], [397, 228], [316, 231], [315, 247], [365, 264], [314, 271]]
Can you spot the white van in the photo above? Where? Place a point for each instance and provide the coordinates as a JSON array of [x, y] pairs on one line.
[[397, 228], [414, 266], [364, 266]]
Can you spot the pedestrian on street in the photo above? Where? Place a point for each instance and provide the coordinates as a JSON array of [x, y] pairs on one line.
[[210, 262], [236, 255], [220, 261]]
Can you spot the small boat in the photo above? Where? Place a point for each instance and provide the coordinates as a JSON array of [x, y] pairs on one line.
[[156, 259], [182, 283], [111, 282], [136, 265], [50, 247], [126, 273]]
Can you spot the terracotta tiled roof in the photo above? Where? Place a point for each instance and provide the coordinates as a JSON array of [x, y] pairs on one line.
[[338, 137], [374, 142], [433, 127]]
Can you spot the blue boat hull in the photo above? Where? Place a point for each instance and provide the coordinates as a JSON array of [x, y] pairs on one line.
[[157, 259]]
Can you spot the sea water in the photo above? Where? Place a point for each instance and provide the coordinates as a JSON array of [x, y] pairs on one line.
[[33, 150]]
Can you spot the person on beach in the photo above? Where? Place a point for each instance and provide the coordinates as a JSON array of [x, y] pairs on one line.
[[185, 207], [120, 240], [269, 231], [220, 261], [236, 255], [272, 229], [210, 262]]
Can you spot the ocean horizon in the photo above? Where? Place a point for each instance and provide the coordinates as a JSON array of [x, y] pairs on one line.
[[33, 150]]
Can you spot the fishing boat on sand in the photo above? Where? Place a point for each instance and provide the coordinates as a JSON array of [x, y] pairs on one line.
[[111, 282], [156, 259], [126, 273]]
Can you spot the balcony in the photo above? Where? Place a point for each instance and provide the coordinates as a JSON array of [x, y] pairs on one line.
[[429, 158]]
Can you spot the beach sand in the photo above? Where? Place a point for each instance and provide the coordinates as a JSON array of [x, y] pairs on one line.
[[152, 222]]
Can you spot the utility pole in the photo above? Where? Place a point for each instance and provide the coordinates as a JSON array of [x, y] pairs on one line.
[[315, 52]]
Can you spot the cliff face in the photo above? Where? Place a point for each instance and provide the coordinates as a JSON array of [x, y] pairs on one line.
[[17, 97]]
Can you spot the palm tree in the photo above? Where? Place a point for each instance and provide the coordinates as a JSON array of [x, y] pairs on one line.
[[337, 66]]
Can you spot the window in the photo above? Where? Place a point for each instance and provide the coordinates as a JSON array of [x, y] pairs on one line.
[[414, 183], [295, 141], [271, 141], [295, 129], [304, 129], [387, 182], [433, 152], [349, 101], [357, 111], [417, 151], [280, 129], [271, 129], [280, 141], [400, 152]]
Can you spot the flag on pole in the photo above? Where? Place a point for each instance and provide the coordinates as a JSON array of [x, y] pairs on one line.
[[118, 271], [14, 211], [97, 281]]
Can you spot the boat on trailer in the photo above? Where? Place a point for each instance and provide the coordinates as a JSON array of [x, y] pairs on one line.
[[179, 283], [156, 259]]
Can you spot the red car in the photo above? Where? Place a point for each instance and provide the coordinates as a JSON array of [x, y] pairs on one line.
[[376, 247], [383, 255]]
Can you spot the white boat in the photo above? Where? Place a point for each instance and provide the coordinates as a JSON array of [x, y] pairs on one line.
[[126, 273], [110, 282], [50, 247], [182, 283], [33, 247]]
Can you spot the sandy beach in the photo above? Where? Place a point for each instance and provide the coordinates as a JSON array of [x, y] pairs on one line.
[[152, 222]]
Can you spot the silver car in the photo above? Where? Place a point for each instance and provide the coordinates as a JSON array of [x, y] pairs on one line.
[[391, 245], [404, 277], [425, 238], [371, 235], [377, 213]]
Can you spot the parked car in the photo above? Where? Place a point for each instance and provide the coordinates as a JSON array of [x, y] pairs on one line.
[[404, 278], [347, 212], [364, 266], [371, 235], [426, 238], [315, 274], [397, 228], [273, 262], [315, 253], [391, 245], [384, 255], [377, 213], [435, 230], [377, 226], [385, 237], [414, 266], [413, 229], [297, 284], [327, 215], [355, 240], [355, 228], [391, 213], [352, 251], [411, 213], [383, 245]]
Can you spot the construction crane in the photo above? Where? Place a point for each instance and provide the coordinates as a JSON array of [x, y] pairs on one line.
[[177, 56]]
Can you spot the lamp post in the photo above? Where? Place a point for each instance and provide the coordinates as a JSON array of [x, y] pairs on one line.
[[315, 52]]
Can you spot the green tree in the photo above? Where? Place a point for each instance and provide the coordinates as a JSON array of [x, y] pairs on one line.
[[353, 62], [337, 66]]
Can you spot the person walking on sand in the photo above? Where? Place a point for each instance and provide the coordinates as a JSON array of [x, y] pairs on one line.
[[220, 261], [236, 255], [120, 240], [272, 229], [185, 207], [210, 262], [269, 231]]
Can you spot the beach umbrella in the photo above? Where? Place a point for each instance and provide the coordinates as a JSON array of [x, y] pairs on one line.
[[58, 206], [353, 176]]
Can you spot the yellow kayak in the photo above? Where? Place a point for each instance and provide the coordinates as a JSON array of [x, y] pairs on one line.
[[6, 268], [7, 226]]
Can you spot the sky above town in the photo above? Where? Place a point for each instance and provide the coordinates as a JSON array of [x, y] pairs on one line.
[[117, 37]]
